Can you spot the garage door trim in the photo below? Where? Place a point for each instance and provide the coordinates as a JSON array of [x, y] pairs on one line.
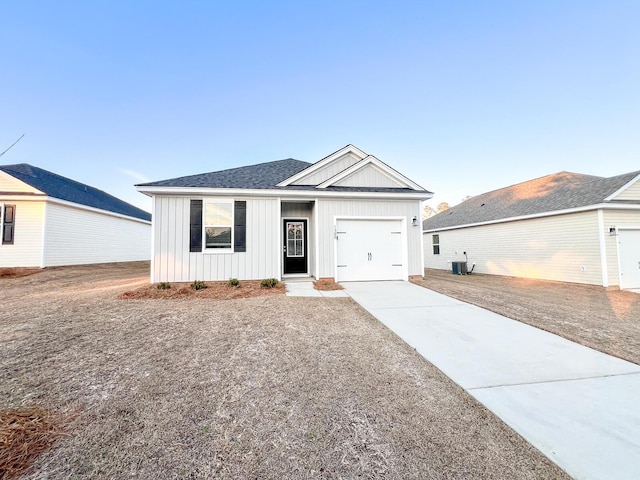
[[404, 243]]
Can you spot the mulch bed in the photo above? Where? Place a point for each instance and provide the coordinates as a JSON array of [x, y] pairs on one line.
[[18, 272], [25, 433], [213, 290], [326, 285]]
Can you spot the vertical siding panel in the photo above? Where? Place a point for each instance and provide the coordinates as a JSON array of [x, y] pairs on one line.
[[171, 239], [157, 239], [164, 234], [263, 252], [185, 257]]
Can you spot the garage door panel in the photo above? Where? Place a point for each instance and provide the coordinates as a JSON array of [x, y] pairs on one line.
[[629, 251], [369, 250]]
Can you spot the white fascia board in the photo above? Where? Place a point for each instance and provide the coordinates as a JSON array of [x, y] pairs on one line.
[[23, 197], [285, 194], [622, 189], [96, 210], [604, 206], [321, 163], [386, 169]]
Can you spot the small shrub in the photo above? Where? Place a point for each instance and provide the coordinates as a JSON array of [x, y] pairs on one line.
[[233, 282], [268, 283], [198, 285], [164, 286]]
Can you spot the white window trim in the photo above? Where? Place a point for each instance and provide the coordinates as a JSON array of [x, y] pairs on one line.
[[433, 244], [214, 251], [303, 239], [1, 222]]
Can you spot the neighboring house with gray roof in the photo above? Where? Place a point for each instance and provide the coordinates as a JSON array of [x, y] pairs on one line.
[[348, 216], [50, 220], [566, 226]]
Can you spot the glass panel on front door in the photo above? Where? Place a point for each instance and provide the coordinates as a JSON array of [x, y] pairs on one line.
[[295, 239]]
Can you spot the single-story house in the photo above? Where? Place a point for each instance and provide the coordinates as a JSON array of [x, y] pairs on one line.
[[566, 226], [348, 216], [49, 220]]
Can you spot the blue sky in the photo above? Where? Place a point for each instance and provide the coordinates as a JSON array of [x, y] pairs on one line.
[[463, 97]]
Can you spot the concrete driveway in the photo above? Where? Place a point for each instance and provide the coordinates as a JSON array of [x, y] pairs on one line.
[[576, 405]]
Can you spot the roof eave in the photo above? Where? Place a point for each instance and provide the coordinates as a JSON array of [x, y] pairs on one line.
[[151, 190], [603, 206]]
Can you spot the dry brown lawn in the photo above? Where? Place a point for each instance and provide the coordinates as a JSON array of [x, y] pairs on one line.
[[607, 320], [267, 387]]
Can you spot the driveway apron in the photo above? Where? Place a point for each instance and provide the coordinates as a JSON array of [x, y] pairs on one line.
[[578, 406]]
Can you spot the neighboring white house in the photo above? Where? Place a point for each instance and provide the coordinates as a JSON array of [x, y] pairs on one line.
[[49, 220], [566, 226], [346, 217]]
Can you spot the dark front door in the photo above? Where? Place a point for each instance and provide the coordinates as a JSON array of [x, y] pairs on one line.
[[295, 246]]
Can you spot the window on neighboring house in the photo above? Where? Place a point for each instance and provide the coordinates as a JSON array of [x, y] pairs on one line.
[[436, 244], [8, 220], [218, 225]]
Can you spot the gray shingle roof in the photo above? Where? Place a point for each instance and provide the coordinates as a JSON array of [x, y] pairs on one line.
[[560, 191], [262, 175], [64, 188]]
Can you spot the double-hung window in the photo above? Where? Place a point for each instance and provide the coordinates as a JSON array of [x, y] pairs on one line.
[[436, 244], [7, 223], [218, 225]]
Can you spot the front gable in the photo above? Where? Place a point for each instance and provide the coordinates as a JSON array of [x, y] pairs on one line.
[[327, 167], [10, 184], [369, 176], [350, 167]]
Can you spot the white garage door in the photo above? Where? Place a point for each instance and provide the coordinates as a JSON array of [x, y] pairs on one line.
[[629, 243], [369, 250]]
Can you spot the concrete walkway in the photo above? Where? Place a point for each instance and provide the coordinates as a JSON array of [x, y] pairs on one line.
[[579, 407]]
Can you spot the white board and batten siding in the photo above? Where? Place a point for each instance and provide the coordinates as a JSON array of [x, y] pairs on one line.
[[330, 210], [173, 262], [26, 250], [561, 247], [77, 236]]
